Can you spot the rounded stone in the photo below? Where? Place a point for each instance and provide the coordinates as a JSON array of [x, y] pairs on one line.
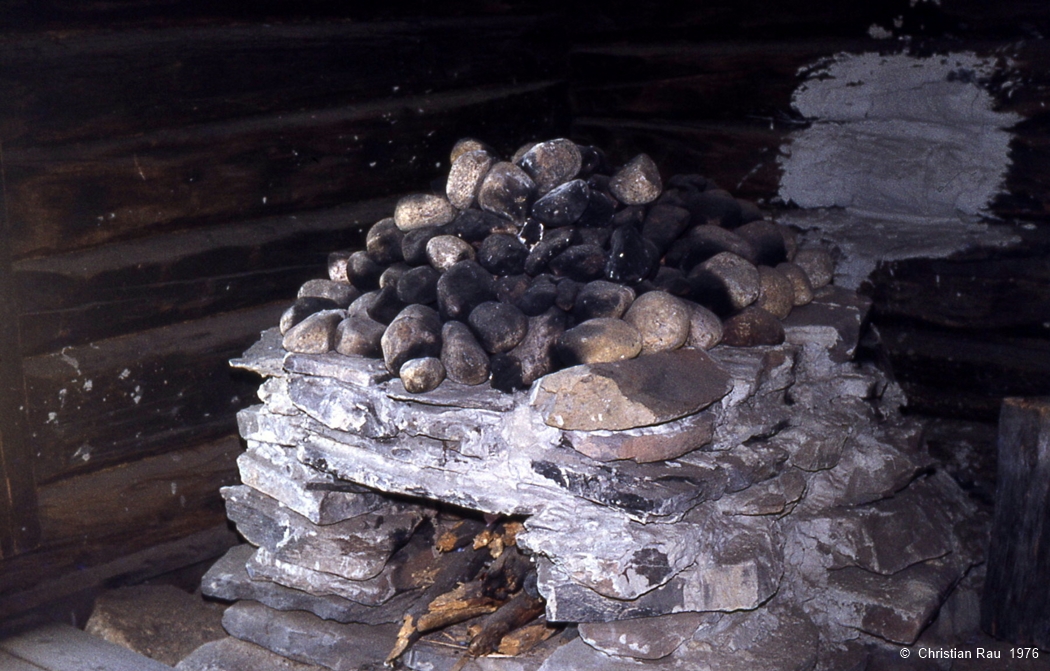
[[767, 239], [383, 241], [713, 206], [563, 205], [462, 288], [582, 263], [363, 304], [414, 244], [535, 353], [799, 282], [818, 264], [363, 272], [337, 266], [359, 336], [422, 375], [510, 288], [465, 177], [553, 243], [602, 299], [539, 296], [445, 251], [315, 334], [551, 163], [725, 283], [467, 144], [700, 243], [421, 210], [465, 361], [752, 326], [568, 289], [662, 319], [705, 328], [392, 275], [303, 308], [663, 224], [499, 327], [598, 341], [671, 280], [637, 182], [507, 191], [418, 285], [340, 293], [386, 305], [632, 258], [503, 254], [475, 225], [600, 207], [776, 294], [409, 337]]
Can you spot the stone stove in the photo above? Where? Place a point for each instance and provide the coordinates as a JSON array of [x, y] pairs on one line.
[[743, 494]]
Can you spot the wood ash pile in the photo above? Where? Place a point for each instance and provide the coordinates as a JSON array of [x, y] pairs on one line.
[[564, 418]]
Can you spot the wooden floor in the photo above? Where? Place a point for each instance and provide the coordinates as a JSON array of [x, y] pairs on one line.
[[61, 647]]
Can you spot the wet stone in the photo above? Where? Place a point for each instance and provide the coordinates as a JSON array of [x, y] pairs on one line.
[[818, 264], [414, 245], [632, 258], [340, 293], [475, 225], [410, 338], [506, 191], [422, 375], [553, 243], [599, 340], [383, 242], [503, 254], [303, 308], [539, 297], [551, 163], [465, 361], [801, 288], [418, 285], [663, 224], [705, 328], [595, 236], [563, 205], [725, 283], [602, 299], [582, 263], [386, 305], [776, 293], [713, 206], [600, 207], [315, 334], [444, 251], [702, 242], [662, 319], [767, 239], [568, 289], [363, 272], [462, 288], [465, 177], [498, 326], [421, 210], [592, 159], [359, 336], [752, 326], [638, 182]]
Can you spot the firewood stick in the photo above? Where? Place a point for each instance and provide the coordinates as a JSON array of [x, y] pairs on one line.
[[519, 611]]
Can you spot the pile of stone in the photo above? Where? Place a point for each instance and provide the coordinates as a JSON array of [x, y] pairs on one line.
[[704, 506], [551, 260]]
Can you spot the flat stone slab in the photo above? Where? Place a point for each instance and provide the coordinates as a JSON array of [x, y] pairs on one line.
[[647, 444], [233, 654], [833, 320]]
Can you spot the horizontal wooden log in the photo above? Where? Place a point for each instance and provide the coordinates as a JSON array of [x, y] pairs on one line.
[[76, 298], [82, 85], [74, 196], [740, 157], [124, 398]]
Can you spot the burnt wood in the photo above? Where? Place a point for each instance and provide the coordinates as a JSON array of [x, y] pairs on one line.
[[1015, 602]]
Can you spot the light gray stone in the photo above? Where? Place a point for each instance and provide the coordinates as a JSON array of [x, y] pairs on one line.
[[233, 654], [728, 281], [644, 638], [342, 293], [705, 328], [599, 340], [668, 440], [637, 182], [315, 334], [444, 251], [818, 266], [662, 319], [422, 210], [422, 375], [465, 176]]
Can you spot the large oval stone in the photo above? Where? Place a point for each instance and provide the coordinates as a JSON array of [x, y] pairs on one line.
[[599, 340], [662, 319]]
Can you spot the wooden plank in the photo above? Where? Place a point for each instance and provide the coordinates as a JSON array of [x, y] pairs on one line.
[[60, 647], [79, 297], [85, 84], [740, 157], [125, 398], [1015, 605], [75, 196]]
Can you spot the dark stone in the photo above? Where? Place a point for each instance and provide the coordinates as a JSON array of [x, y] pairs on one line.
[[568, 289], [553, 243], [551, 163], [362, 305], [531, 232], [383, 242], [444, 251], [582, 263], [592, 159], [663, 224], [749, 211], [638, 182], [363, 272], [506, 191], [600, 206], [563, 205], [418, 285], [632, 258], [672, 280], [752, 326], [410, 337], [599, 340], [414, 245], [422, 375], [506, 373], [713, 207], [503, 254], [341, 293], [510, 288], [498, 326], [465, 176], [702, 242], [535, 353], [392, 275], [464, 359], [538, 297], [595, 236], [632, 215], [475, 225], [303, 308], [386, 306], [462, 288], [359, 336], [768, 241], [834, 318], [690, 182], [602, 299]]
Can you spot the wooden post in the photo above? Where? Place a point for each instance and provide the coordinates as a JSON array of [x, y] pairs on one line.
[[1016, 602]]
